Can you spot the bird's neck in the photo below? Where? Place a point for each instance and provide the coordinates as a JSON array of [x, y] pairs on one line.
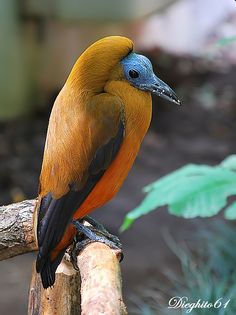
[[138, 106]]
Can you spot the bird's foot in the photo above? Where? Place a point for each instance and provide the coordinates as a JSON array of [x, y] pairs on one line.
[[99, 229], [95, 232]]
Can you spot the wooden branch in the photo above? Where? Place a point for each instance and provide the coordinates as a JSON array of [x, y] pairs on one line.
[[100, 281], [98, 285], [16, 229], [95, 289], [62, 299]]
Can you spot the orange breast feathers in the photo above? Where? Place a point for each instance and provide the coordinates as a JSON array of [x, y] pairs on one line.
[[95, 130], [137, 106]]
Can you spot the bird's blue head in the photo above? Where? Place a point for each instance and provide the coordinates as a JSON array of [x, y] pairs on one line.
[[139, 72]]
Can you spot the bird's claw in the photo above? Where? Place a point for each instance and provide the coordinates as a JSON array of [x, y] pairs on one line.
[[93, 233]]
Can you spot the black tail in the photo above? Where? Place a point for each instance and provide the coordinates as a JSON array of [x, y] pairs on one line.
[[47, 268]]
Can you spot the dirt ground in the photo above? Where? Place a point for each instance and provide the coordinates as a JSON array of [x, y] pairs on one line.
[[178, 135]]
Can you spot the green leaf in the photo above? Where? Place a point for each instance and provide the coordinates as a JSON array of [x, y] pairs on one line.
[[230, 212], [126, 224], [226, 41], [183, 171], [205, 203], [191, 191], [229, 162]]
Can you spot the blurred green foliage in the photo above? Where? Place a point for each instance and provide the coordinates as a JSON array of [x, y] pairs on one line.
[[191, 191], [208, 273], [226, 41], [15, 63]]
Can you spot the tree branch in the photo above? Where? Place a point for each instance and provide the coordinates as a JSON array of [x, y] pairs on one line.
[[16, 229], [95, 289], [101, 291]]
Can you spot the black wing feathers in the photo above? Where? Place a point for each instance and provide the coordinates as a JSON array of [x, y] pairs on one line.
[[106, 153]]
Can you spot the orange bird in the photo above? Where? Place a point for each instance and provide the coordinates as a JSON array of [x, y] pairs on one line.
[[97, 124]]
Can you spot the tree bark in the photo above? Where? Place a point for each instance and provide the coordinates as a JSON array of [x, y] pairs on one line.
[[101, 291], [16, 229], [95, 289], [62, 299]]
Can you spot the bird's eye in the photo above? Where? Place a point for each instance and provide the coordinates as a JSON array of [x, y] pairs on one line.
[[133, 74]]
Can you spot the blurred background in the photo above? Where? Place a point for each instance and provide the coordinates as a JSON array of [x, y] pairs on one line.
[[191, 45]]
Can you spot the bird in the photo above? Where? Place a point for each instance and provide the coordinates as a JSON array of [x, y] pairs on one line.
[[95, 130]]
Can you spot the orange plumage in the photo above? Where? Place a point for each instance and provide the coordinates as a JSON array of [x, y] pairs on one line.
[[95, 130]]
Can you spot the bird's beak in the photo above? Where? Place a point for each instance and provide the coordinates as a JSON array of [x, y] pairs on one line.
[[160, 88]]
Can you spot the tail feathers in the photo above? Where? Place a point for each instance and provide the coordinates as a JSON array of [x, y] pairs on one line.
[[47, 268]]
